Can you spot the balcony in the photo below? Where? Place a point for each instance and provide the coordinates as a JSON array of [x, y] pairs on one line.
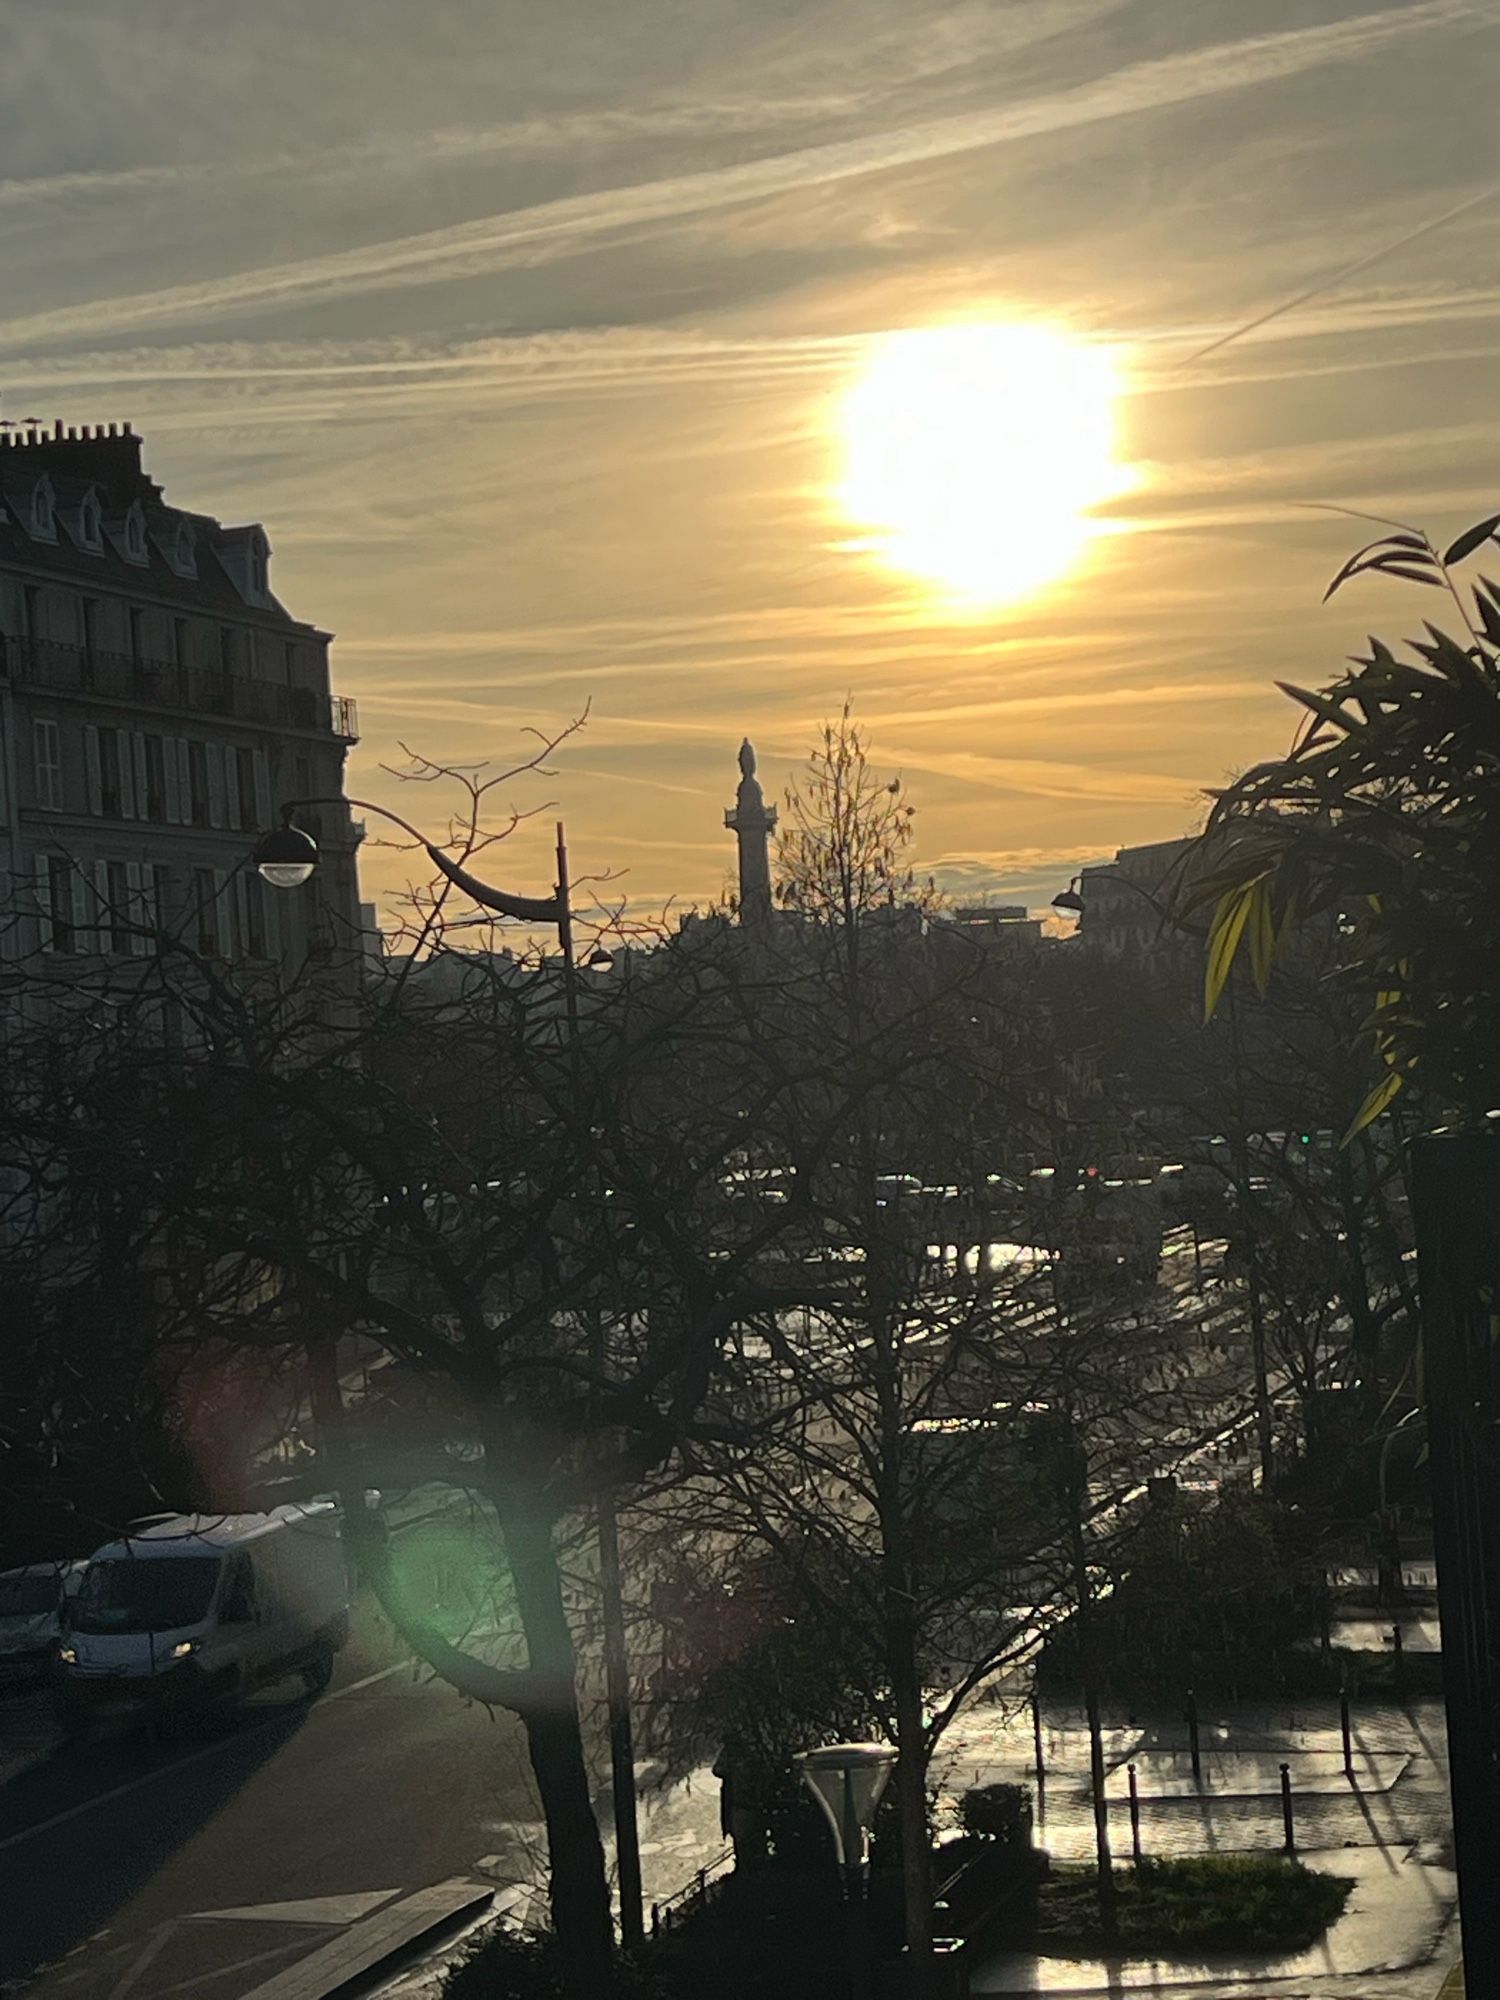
[[197, 691]]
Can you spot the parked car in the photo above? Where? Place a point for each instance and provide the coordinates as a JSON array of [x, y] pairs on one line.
[[191, 1614], [32, 1605]]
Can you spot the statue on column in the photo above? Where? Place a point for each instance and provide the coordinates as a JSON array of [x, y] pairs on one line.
[[752, 822]]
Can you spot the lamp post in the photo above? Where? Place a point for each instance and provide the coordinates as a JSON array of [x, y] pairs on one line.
[[847, 1780], [286, 859]]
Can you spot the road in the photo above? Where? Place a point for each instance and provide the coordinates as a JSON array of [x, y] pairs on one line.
[[114, 1857], [120, 1859]]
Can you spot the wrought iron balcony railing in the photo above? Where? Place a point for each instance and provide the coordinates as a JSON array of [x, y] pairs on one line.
[[200, 691]]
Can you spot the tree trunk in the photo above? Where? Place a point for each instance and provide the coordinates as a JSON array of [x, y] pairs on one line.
[[911, 1799], [579, 1890], [1089, 1658]]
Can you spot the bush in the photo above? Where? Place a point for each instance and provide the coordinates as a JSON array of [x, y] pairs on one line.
[[1209, 1902], [502, 1964], [1001, 1813]]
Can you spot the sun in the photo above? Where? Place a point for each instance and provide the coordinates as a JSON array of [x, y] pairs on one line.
[[973, 455]]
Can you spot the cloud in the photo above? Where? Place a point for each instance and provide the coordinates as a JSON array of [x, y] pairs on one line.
[[558, 227], [1039, 777]]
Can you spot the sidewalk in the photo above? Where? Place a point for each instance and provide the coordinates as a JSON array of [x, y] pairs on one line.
[[1395, 1922], [1399, 1798], [1389, 1828]]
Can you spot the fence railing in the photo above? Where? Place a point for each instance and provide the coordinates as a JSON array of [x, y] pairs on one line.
[[165, 684], [694, 1895]]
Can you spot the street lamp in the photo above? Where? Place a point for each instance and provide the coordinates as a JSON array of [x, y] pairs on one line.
[[847, 1780], [286, 859]]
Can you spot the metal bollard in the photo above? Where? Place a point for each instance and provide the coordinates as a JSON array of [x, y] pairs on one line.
[[656, 1920], [1036, 1737], [1193, 1749], [1345, 1732], [1135, 1815], [1289, 1837], [1398, 1648]]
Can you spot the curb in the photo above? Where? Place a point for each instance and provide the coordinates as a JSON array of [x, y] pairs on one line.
[[370, 1950]]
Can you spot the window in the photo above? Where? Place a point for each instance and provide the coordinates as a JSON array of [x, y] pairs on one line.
[[58, 933], [135, 533], [289, 662], [90, 523], [119, 915], [206, 911], [156, 779], [226, 649], [46, 750], [113, 774], [180, 642], [237, 1605], [88, 627], [250, 916], [43, 511], [137, 634], [163, 1595], [184, 557], [31, 611], [158, 895], [198, 784], [244, 772]]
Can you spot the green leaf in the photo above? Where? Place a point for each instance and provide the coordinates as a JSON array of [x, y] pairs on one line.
[[1471, 539], [1487, 603], [1390, 567], [1326, 709], [1228, 927], [1380, 1098]]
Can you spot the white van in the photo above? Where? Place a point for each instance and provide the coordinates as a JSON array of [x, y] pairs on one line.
[[32, 1601], [191, 1613]]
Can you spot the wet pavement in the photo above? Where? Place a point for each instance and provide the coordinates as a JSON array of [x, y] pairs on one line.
[[1394, 1922], [1389, 1828]]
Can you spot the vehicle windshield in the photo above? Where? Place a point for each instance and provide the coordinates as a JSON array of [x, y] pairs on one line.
[[29, 1596], [151, 1594]]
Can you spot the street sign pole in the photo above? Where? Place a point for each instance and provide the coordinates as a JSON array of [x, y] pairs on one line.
[[1456, 1209]]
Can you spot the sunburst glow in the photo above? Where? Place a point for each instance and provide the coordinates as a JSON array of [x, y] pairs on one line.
[[973, 454]]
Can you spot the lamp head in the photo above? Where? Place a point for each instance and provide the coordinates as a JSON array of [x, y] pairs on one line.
[[847, 1780], [287, 857], [1069, 899], [600, 961]]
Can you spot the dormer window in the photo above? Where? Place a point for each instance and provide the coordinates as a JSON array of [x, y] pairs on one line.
[[260, 564], [135, 533], [43, 511], [184, 557], [90, 523]]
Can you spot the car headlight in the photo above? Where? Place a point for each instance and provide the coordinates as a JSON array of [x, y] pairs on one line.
[[67, 1654], [180, 1652]]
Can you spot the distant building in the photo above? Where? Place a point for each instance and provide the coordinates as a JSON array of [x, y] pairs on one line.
[[1126, 901], [157, 704], [1001, 926]]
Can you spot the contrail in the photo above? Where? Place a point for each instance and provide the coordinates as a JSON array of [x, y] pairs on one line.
[[1345, 271]]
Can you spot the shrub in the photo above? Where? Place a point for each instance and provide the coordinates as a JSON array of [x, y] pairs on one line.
[[1207, 1902], [1001, 1813]]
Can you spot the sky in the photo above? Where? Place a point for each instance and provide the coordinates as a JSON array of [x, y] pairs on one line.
[[525, 330]]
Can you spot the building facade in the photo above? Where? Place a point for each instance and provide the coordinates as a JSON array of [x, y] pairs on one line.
[[157, 705], [1126, 902]]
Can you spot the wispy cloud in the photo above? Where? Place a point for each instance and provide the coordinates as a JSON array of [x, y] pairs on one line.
[[558, 227], [1043, 777]]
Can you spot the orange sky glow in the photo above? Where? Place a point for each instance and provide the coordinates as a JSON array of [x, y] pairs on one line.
[[532, 335]]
